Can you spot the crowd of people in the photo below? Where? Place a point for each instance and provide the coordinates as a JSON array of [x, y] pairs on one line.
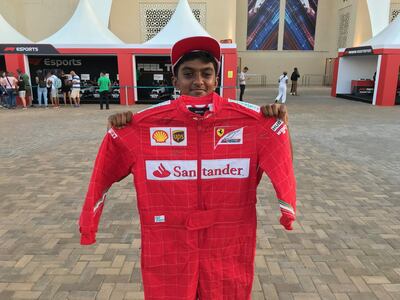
[[49, 87]]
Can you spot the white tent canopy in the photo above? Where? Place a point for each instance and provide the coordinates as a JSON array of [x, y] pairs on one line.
[[182, 24], [387, 38], [85, 27], [379, 14], [102, 8], [8, 35]]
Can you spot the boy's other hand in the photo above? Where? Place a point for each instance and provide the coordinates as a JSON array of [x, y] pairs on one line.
[[276, 111], [119, 120]]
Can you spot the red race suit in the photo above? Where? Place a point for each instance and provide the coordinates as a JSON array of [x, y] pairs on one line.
[[196, 178]]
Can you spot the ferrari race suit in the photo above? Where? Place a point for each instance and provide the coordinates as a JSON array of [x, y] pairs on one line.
[[196, 178]]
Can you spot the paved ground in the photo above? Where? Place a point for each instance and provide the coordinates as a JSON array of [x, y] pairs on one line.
[[346, 243]]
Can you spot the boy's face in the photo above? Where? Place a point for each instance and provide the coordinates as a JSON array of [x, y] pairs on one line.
[[196, 78]]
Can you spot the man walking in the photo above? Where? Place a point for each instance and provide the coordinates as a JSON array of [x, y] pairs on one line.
[[104, 84], [283, 80], [242, 82]]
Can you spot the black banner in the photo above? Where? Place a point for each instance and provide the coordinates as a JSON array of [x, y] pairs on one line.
[[42, 49], [365, 50], [2, 63]]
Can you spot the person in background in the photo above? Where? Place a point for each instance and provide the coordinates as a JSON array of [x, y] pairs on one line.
[[294, 78], [283, 80], [3, 92], [104, 84], [76, 88], [28, 86], [66, 87], [242, 82], [11, 88], [21, 89], [41, 88], [54, 91], [48, 86]]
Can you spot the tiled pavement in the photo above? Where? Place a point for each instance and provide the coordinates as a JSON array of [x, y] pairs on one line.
[[346, 242]]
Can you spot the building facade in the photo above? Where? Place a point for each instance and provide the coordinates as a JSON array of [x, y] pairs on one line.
[[271, 35]]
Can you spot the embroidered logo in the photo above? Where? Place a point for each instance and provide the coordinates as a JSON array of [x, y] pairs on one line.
[[159, 219], [159, 136], [248, 105], [178, 135], [279, 127], [228, 136], [161, 172], [220, 132], [112, 133]]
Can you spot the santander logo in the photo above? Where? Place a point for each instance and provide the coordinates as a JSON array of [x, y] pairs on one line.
[[188, 169], [161, 172]]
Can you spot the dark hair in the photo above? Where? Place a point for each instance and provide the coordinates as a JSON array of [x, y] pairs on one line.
[[203, 56]]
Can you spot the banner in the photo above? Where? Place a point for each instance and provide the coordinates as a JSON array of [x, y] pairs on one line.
[[2, 63], [27, 49], [263, 24], [300, 21]]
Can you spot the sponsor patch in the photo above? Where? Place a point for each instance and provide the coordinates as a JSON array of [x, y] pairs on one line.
[[279, 127], [112, 133], [228, 136], [159, 219], [248, 105], [282, 130], [178, 136], [276, 125], [188, 170], [168, 136], [154, 106], [171, 169], [160, 136], [225, 168]]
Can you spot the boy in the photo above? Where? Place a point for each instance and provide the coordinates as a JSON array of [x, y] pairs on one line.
[[196, 162]]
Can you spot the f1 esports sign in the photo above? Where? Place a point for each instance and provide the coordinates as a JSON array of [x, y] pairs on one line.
[[27, 49], [365, 50]]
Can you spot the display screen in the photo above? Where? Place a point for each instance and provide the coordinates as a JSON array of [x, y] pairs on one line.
[[300, 22], [263, 24]]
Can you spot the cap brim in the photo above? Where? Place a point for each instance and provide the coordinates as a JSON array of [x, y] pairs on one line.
[[195, 43]]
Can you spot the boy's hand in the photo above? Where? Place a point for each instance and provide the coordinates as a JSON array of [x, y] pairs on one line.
[[119, 120], [276, 111]]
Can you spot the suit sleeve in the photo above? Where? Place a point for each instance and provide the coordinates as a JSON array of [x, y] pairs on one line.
[[275, 159], [113, 163]]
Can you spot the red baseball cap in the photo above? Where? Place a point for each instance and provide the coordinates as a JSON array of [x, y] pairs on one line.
[[195, 43]]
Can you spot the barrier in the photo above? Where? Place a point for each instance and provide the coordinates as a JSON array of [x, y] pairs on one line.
[[314, 79], [256, 80]]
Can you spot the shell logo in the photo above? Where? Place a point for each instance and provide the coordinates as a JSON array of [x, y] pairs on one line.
[[160, 136]]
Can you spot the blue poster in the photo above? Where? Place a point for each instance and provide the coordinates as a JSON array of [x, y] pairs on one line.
[[263, 24], [300, 22]]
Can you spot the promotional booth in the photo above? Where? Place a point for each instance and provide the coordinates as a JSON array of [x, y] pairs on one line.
[[371, 72], [140, 73]]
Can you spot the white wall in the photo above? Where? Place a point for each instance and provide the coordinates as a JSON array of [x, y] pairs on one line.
[[355, 68]]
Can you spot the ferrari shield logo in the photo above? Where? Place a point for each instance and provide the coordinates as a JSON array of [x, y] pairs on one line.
[[178, 135], [220, 132]]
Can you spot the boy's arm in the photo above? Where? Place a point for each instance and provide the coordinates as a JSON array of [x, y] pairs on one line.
[[274, 151], [113, 163]]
